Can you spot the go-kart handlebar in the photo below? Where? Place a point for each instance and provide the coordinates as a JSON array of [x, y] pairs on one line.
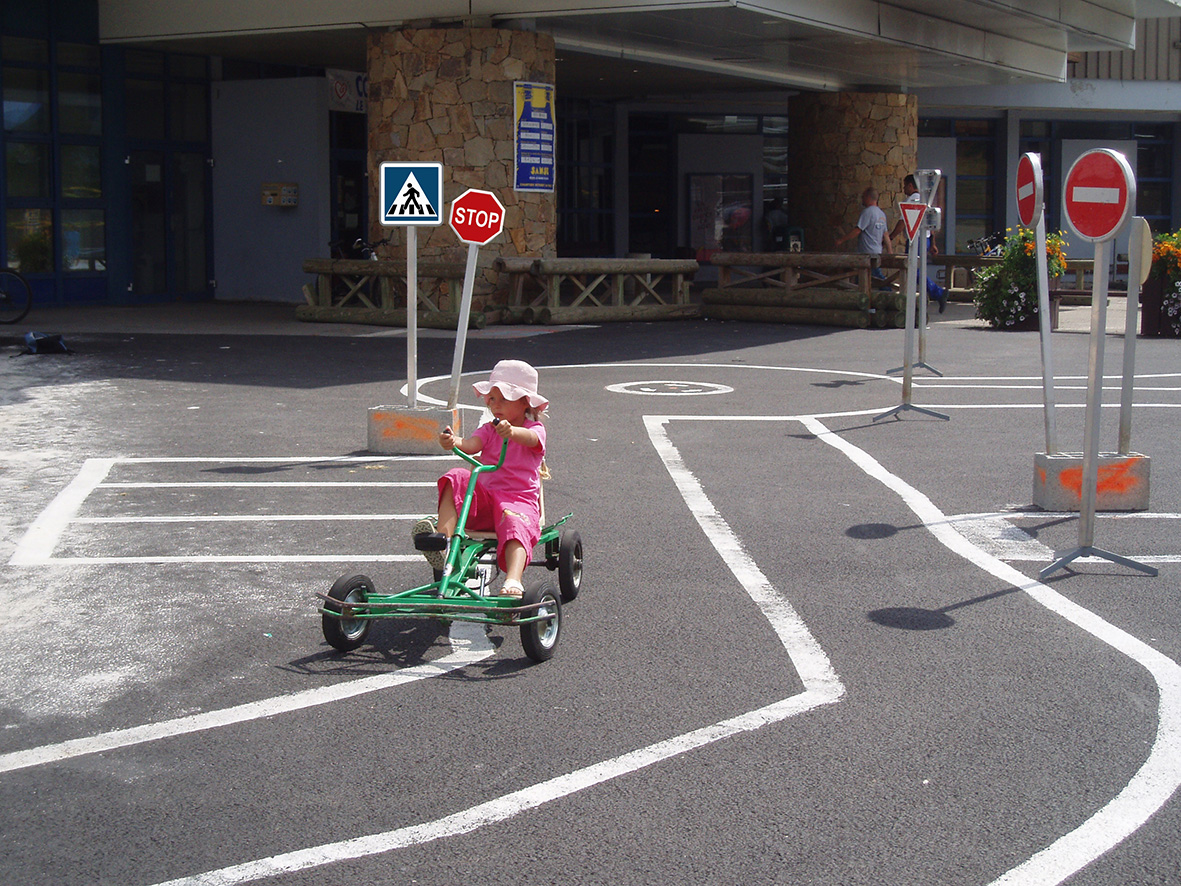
[[479, 466]]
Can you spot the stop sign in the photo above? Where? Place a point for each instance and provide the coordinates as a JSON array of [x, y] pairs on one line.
[[476, 216], [1099, 193], [1029, 189]]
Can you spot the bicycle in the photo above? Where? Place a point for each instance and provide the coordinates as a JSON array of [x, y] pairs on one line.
[[989, 246], [16, 296]]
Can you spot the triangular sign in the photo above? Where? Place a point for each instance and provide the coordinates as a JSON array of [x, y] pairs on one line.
[[408, 202], [912, 217]]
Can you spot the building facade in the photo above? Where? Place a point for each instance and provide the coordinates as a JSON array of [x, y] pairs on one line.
[[157, 151]]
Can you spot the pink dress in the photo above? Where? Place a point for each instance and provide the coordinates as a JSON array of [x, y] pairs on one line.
[[506, 500]]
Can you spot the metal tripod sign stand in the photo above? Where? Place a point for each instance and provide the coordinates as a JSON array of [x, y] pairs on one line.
[[1097, 197]]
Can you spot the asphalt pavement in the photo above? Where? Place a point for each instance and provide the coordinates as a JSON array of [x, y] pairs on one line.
[[810, 647]]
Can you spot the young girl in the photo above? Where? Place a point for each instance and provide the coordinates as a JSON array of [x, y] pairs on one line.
[[506, 500]]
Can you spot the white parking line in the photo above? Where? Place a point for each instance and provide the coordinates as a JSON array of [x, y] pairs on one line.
[[37, 545], [469, 643]]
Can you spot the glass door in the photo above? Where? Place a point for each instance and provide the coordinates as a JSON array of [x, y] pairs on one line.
[[169, 243]]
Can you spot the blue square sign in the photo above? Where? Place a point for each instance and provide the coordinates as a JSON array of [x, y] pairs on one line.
[[411, 194]]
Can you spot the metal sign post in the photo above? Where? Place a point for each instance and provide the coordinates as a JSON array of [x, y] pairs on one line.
[[477, 218], [411, 196], [1030, 206], [931, 221], [1139, 264], [1097, 198], [912, 217]]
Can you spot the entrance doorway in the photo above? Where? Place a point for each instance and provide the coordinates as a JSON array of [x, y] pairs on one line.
[[169, 210]]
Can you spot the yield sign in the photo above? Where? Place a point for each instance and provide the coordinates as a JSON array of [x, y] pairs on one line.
[[1029, 189], [912, 217], [1099, 193]]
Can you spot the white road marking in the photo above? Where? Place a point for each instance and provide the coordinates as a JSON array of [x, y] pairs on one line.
[[37, 544], [1157, 779], [251, 518], [289, 484], [822, 686], [469, 645]]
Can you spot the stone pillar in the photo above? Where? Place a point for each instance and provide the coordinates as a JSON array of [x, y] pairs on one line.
[[446, 95], [839, 144]]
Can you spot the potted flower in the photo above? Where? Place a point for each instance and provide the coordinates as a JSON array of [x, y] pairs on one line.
[[1160, 299], [1005, 293]]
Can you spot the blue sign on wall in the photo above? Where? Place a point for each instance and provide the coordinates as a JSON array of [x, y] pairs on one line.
[[533, 125], [411, 194]]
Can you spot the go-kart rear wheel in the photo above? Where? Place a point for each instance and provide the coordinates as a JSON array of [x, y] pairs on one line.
[[540, 638], [569, 564], [342, 632]]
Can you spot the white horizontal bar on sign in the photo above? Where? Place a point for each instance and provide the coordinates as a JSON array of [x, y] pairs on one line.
[[1096, 195]]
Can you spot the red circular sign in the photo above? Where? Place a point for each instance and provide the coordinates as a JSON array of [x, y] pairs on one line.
[[1029, 189], [476, 216], [1099, 192]]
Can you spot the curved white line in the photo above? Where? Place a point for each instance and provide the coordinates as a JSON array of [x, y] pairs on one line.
[[822, 686], [1160, 776]]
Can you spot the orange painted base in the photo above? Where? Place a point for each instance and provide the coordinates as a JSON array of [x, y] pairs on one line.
[[1122, 485], [403, 430]]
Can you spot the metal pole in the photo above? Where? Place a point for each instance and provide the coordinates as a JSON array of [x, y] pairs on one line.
[[1043, 297], [912, 261], [465, 308], [412, 315], [921, 294], [1139, 263], [1086, 523]]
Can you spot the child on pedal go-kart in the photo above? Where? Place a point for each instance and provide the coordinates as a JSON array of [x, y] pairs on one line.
[[506, 501]]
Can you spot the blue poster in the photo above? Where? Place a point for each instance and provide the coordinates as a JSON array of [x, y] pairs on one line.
[[533, 125]]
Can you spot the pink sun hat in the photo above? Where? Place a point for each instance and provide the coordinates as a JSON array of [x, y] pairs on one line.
[[515, 379]]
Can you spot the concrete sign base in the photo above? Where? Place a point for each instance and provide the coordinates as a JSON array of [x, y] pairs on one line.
[[410, 430], [1123, 481]]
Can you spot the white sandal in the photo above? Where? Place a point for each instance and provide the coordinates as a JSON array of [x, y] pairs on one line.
[[512, 588]]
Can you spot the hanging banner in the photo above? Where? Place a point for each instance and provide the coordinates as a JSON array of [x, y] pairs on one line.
[[347, 91], [533, 131]]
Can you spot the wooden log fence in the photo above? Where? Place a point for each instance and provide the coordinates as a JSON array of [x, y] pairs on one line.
[[379, 285], [596, 290]]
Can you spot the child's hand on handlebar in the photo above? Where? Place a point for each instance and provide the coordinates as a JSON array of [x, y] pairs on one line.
[[448, 440], [502, 427]]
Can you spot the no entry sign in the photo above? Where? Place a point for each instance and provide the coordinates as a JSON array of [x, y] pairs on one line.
[[1029, 190], [476, 216], [1099, 194]]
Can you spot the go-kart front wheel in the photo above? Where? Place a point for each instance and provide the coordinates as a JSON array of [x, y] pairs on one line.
[[341, 631], [540, 638]]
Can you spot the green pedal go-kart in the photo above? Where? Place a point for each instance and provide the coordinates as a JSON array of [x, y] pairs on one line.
[[460, 592]]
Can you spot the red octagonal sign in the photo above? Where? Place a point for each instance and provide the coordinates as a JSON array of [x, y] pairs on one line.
[[1099, 194], [476, 216]]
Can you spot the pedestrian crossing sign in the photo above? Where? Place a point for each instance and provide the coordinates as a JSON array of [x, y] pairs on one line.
[[411, 194]]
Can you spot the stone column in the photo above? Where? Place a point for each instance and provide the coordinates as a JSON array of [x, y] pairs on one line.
[[446, 95], [839, 144]]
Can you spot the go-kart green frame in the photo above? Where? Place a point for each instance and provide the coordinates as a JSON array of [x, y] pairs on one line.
[[460, 591]]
